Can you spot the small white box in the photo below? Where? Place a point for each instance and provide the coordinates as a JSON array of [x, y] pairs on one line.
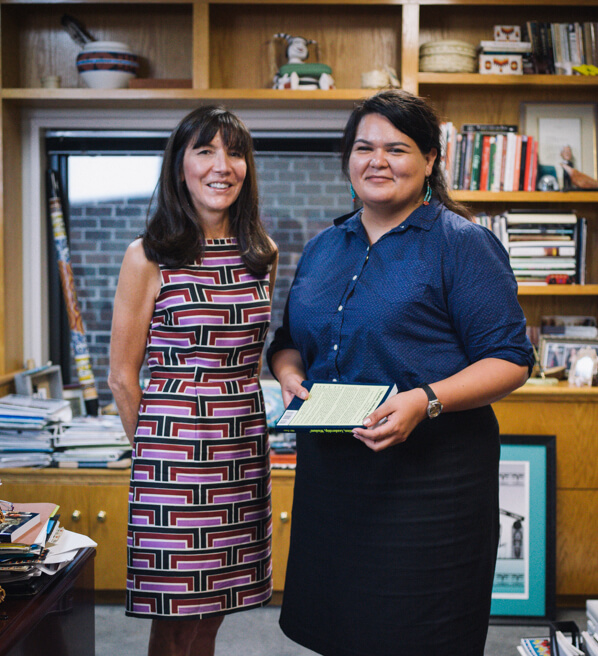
[[501, 65], [507, 33]]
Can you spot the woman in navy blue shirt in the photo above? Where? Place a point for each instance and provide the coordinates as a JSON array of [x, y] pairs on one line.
[[395, 527]]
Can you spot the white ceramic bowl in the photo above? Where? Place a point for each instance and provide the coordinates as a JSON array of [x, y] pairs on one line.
[[106, 79], [107, 64]]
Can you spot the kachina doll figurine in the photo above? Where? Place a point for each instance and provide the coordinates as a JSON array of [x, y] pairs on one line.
[[296, 74]]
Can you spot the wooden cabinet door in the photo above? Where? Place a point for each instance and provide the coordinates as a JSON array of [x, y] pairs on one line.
[[72, 500], [107, 510], [282, 503]]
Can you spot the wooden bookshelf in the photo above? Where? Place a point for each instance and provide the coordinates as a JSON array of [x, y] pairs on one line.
[[223, 47]]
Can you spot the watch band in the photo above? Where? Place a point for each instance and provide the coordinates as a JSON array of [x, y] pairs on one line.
[[434, 406], [429, 393]]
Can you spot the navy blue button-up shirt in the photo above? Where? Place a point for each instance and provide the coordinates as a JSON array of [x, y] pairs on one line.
[[429, 298]]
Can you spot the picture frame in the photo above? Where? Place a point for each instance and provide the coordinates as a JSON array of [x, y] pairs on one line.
[[559, 351], [557, 125], [525, 579]]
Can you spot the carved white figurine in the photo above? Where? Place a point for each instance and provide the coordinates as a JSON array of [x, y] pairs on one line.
[[296, 74], [584, 367]]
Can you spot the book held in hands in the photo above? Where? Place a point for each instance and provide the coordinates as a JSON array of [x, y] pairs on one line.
[[333, 407]]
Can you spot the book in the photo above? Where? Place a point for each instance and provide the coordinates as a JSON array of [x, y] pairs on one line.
[[540, 216], [333, 407], [476, 159], [590, 643], [485, 164], [488, 128], [536, 646], [539, 251], [16, 524]]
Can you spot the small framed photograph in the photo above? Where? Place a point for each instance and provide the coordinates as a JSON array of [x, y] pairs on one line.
[[566, 135], [524, 580], [559, 351]]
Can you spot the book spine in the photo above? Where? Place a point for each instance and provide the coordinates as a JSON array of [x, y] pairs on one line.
[[468, 159], [549, 48], [516, 164], [527, 180], [463, 162], [485, 164], [491, 163], [476, 161], [509, 162], [488, 127], [523, 159], [495, 181], [534, 165], [457, 161], [534, 39]]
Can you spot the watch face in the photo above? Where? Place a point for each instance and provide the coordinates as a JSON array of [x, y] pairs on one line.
[[434, 409]]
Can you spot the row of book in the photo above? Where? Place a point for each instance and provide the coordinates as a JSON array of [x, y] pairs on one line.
[[544, 246], [487, 157], [558, 47]]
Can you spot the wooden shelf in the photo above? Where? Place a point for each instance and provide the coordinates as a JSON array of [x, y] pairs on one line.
[[335, 98], [557, 290], [562, 392], [475, 79], [525, 196]]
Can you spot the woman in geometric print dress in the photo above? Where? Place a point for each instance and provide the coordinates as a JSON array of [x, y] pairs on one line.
[[194, 292]]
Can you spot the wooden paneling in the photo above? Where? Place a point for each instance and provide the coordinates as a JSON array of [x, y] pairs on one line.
[[575, 424], [577, 537], [352, 41], [282, 503], [160, 34]]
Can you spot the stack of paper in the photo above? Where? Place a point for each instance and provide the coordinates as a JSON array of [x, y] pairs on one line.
[[27, 412], [26, 435], [97, 456], [106, 430]]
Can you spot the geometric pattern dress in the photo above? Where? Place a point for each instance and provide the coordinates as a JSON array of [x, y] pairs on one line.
[[200, 523]]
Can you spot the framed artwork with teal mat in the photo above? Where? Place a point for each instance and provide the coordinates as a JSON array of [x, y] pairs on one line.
[[524, 580]]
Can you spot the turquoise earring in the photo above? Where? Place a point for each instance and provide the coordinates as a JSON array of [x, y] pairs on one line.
[[353, 194], [428, 193]]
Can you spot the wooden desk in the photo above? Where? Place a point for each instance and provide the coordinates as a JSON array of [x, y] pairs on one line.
[[58, 620]]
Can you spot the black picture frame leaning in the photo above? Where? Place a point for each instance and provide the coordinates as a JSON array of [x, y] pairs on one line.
[[524, 590]]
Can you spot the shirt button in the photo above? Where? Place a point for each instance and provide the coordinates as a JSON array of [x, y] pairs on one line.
[[335, 347], [334, 380], [354, 277], [340, 308]]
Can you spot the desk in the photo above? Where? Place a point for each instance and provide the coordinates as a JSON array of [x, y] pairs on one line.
[[58, 620]]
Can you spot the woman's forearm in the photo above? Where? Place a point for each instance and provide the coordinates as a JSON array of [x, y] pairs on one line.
[[479, 384], [288, 368], [127, 396]]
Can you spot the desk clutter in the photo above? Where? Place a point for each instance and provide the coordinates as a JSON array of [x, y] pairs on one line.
[[44, 549], [38, 432], [565, 638]]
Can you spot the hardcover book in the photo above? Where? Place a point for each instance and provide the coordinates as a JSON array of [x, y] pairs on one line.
[[333, 407], [16, 524]]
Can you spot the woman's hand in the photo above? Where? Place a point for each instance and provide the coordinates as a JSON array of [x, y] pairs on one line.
[[291, 387], [288, 369], [394, 420]]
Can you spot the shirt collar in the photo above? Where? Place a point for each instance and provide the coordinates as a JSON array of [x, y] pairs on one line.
[[422, 217]]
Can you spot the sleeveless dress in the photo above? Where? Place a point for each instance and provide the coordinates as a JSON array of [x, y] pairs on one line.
[[199, 534]]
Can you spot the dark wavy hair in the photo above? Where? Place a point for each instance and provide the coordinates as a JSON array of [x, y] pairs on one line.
[[173, 235], [414, 117]]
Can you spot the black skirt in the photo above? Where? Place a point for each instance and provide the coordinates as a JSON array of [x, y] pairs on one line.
[[393, 553]]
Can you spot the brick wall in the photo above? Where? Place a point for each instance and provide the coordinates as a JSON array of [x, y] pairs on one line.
[[300, 195]]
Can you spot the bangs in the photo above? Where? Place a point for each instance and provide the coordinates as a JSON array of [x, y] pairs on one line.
[[234, 134]]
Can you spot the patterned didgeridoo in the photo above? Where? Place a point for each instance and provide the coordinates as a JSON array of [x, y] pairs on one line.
[[67, 281]]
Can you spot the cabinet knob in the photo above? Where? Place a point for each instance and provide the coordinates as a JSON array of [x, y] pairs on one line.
[[101, 516], [76, 516], [284, 517]]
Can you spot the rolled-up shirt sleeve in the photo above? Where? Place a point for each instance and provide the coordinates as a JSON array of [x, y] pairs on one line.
[[482, 299]]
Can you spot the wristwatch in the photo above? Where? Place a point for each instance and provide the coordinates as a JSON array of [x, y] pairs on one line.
[[434, 406]]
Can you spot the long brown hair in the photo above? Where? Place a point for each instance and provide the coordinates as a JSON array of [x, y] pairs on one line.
[[414, 117], [173, 235]]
